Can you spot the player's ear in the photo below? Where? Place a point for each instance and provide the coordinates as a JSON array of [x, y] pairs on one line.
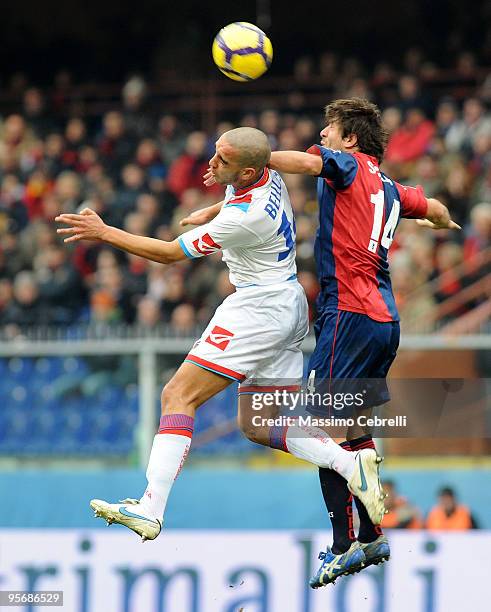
[[249, 174], [350, 141]]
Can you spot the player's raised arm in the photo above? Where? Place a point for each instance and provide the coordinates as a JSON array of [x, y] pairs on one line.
[[202, 216], [437, 216], [296, 162], [89, 226]]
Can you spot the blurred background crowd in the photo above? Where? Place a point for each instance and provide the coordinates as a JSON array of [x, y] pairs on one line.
[[140, 165]]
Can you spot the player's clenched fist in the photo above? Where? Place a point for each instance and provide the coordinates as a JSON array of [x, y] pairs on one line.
[[85, 226]]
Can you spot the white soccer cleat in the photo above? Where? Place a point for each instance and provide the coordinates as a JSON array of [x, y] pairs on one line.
[[130, 514], [365, 483]]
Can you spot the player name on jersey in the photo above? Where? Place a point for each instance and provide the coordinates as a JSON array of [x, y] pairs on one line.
[[255, 230]]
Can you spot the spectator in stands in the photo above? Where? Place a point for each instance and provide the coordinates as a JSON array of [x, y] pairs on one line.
[[26, 307], [171, 139], [75, 141], [475, 122], [446, 117], [478, 236], [427, 174], [310, 284], [449, 279], [147, 205], [6, 292], [191, 199], [137, 116], [410, 95], [114, 299], [132, 187], [183, 320], [13, 213], [392, 119], [174, 293], [60, 286], [53, 155], [306, 131], [16, 137], [401, 514], [148, 314], [35, 113], [148, 158], [478, 241], [448, 514], [187, 170], [115, 145], [104, 308], [412, 139], [68, 190], [136, 223], [269, 123], [456, 189]]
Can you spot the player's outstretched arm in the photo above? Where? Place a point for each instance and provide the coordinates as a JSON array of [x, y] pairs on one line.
[[202, 216], [437, 216], [89, 226], [296, 162]]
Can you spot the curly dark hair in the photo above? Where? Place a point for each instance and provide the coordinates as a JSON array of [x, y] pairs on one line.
[[362, 118]]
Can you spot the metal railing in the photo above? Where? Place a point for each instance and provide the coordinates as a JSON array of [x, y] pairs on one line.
[[476, 271]]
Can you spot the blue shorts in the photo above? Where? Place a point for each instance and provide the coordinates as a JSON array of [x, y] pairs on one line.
[[350, 345]]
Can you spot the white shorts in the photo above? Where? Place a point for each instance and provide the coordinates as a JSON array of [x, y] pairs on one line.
[[255, 337]]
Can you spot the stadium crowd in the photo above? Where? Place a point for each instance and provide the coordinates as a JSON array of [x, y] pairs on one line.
[[142, 171]]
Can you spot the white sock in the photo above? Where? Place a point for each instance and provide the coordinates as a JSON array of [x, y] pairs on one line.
[[169, 451], [314, 445]]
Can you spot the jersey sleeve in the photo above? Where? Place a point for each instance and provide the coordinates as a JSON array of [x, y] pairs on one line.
[[413, 202], [337, 167], [228, 230]]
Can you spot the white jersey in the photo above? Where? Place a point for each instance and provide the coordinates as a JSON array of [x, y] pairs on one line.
[[256, 231]]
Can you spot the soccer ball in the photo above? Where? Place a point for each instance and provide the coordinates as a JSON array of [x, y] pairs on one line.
[[242, 51]]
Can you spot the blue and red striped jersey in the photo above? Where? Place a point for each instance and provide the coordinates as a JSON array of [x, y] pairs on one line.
[[359, 210]]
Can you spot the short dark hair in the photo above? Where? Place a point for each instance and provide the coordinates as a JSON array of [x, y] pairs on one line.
[[446, 491], [362, 118]]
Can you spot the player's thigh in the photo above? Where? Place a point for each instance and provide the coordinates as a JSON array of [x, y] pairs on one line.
[[247, 330], [351, 345], [281, 364], [190, 387]]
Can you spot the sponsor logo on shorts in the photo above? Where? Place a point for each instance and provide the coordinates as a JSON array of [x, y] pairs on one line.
[[219, 337], [206, 245]]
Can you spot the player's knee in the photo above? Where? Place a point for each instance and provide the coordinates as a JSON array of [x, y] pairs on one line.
[[175, 398]]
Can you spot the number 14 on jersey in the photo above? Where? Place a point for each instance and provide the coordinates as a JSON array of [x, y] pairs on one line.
[[378, 200]]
